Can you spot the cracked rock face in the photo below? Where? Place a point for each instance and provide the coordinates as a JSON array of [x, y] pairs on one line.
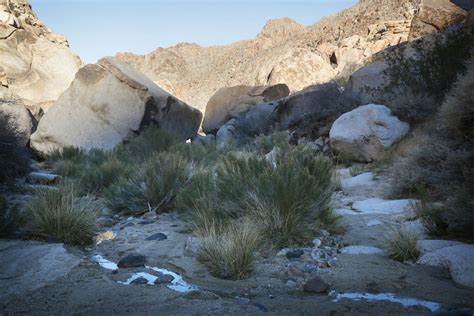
[[36, 65], [105, 104]]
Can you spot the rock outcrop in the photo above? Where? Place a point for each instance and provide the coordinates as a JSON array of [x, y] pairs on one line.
[[365, 133], [227, 103], [35, 64], [107, 102], [289, 53]]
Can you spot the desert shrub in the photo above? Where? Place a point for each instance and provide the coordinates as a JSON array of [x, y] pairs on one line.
[[289, 201], [154, 187], [229, 253], [442, 162], [402, 244], [263, 144], [418, 84], [14, 159], [68, 162], [6, 218], [430, 213], [98, 176], [201, 155], [58, 214], [152, 139]]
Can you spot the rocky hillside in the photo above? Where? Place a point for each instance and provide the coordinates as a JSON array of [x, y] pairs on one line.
[[36, 65], [287, 52]]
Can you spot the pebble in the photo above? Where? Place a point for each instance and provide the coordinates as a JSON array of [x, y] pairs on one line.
[[140, 280], [318, 254], [165, 278], [316, 285], [333, 263], [291, 284], [294, 254], [317, 242], [146, 222], [132, 261]]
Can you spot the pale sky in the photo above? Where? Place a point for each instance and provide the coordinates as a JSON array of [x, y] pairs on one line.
[[98, 28]]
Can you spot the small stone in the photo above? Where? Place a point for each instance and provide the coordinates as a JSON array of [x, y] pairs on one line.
[[241, 300], [139, 281], [114, 271], [132, 261], [157, 237], [294, 254], [333, 263], [165, 278], [261, 307], [291, 284], [318, 254], [317, 242], [105, 221], [146, 222], [309, 268], [316, 285], [127, 224]]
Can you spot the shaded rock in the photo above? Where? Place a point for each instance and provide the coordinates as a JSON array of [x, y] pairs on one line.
[[358, 185], [457, 259], [43, 177], [227, 134], [316, 285], [434, 16], [364, 82], [29, 265], [294, 254], [229, 102], [139, 281], [427, 246], [132, 261], [164, 279], [157, 237], [362, 250], [107, 103], [365, 133]]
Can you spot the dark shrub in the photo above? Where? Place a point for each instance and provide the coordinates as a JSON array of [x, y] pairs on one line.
[[14, 160]]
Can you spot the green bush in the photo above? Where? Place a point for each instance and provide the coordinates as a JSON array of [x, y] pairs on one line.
[[14, 160], [288, 201], [98, 176], [229, 253], [58, 214], [442, 162], [150, 141], [154, 187], [418, 84], [6, 218], [402, 245]]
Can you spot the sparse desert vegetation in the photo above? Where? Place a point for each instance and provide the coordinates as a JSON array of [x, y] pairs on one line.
[[402, 244]]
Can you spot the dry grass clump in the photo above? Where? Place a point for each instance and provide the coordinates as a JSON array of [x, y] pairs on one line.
[[229, 253], [402, 245], [60, 215], [154, 187]]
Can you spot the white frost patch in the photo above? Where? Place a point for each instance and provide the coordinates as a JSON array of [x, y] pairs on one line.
[[178, 284], [104, 263], [149, 277], [362, 250], [405, 301]]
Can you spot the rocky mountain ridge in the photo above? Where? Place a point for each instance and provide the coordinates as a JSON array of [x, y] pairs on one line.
[[287, 52]]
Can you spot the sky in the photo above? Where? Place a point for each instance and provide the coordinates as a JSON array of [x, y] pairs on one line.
[[98, 28]]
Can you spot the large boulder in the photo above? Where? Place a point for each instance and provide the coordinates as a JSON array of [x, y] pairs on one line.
[[364, 134], [231, 101], [458, 259], [365, 82], [107, 102], [434, 16], [35, 64]]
